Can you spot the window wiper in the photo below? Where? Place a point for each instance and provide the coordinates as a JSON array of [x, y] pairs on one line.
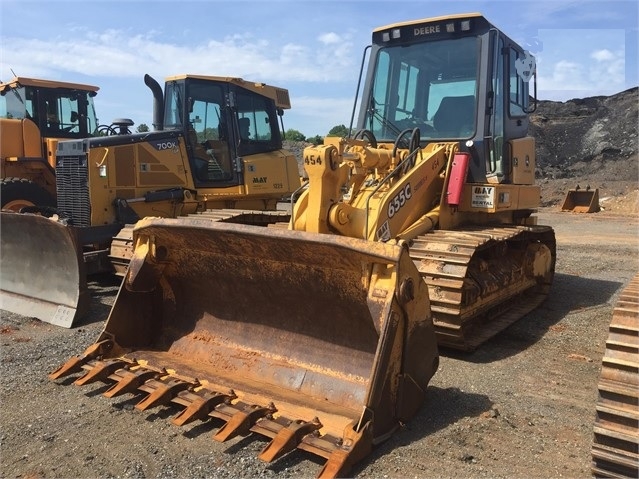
[[374, 114], [17, 94], [386, 122]]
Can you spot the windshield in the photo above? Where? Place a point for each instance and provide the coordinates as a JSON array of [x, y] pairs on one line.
[[13, 104], [429, 85], [58, 112]]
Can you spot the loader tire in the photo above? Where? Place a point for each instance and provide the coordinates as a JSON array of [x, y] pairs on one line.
[[16, 193]]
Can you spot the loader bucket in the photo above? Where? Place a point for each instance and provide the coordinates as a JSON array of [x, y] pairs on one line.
[[581, 201], [41, 269], [319, 342]]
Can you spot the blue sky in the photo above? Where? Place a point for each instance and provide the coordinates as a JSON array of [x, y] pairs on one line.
[[312, 48]]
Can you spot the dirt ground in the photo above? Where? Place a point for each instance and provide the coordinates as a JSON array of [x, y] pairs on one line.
[[521, 406]]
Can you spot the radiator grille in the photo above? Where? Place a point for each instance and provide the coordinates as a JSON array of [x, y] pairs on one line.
[[72, 184]]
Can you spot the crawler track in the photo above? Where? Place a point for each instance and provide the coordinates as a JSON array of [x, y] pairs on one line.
[[480, 279], [616, 428]]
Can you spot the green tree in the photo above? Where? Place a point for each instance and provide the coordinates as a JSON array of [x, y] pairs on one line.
[[339, 130], [294, 135], [142, 128], [316, 140]]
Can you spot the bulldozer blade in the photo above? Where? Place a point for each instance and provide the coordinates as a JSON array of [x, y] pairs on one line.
[[326, 342], [581, 201], [41, 269]]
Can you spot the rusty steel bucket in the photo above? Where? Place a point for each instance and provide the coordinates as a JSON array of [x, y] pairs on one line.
[[320, 342], [41, 269], [581, 201]]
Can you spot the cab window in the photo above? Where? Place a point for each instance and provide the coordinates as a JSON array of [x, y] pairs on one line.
[[518, 87]]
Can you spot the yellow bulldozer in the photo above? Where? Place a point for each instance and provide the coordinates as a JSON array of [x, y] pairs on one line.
[[34, 115], [416, 230], [216, 149]]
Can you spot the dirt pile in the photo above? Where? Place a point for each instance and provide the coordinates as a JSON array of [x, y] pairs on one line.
[[584, 136], [589, 142]]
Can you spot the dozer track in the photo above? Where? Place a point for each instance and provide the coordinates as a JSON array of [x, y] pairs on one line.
[[121, 249], [319, 342], [615, 449], [481, 280]]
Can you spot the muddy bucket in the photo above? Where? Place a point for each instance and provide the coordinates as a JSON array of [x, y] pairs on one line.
[[581, 201], [322, 333], [41, 269]]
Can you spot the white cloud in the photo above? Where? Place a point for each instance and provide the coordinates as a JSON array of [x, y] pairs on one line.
[[588, 61], [115, 53], [603, 73], [329, 38], [602, 55]]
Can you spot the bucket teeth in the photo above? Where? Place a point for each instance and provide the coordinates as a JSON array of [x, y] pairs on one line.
[[128, 381], [239, 418], [100, 371], [287, 438], [355, 445], [161, 392], [199, 404], [337, 465], [74, 364]]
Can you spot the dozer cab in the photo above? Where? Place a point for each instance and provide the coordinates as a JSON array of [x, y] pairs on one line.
[[416, 230], [216, 150], [34, 115]]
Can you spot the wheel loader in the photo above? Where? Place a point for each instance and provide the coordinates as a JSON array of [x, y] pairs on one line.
[[216, 149], [34, 115], [415, 231]]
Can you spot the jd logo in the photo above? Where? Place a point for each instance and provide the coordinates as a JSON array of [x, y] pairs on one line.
[[259, 179]]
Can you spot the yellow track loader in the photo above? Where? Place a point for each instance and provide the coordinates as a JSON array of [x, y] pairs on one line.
[[34, 115], [216, 148], [416, 230]]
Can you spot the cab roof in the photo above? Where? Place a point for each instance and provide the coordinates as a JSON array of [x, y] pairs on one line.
[[39, 83], [455, 16], [279, 95]]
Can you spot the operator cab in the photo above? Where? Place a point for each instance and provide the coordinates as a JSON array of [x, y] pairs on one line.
[[59, 109], [456, 78], [223, 122]]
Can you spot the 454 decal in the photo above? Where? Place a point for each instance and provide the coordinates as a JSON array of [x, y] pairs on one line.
[[399, 200]]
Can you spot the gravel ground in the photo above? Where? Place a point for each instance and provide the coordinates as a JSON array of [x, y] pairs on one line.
[[521, 406]]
